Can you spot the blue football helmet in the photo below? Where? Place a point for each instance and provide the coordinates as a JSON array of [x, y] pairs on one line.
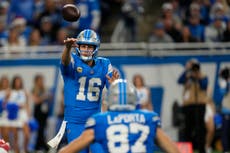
[[121, 96], [88, 37]]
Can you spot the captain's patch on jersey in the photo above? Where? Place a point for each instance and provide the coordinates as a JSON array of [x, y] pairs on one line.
[[79, 69]]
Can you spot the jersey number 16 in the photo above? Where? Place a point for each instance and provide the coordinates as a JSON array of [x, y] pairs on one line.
[[92, 91]]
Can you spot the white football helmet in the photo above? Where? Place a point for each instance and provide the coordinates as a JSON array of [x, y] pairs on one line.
[[121, 96], [88, 37]]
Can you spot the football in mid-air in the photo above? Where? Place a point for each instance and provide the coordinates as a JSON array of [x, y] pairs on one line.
[[70, 12]]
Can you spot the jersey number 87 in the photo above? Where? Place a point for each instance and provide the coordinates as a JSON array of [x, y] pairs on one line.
[[118, 134]]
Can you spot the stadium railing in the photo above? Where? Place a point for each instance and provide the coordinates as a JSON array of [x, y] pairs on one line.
[[123, 49]]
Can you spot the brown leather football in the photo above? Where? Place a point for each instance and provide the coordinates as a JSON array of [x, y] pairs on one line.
[[70, 12]]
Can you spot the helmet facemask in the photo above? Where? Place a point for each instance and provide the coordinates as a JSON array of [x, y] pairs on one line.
[[88, 37], [86, 55]]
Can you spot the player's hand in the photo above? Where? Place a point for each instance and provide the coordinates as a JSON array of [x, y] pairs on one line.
[[115, 76], [70, 42]]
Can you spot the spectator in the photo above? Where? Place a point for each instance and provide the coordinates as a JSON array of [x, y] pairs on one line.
[[215, 31], [4, 6], [143, 93], [3, 22], [39, 6], [17, 36], [194, 105], [159, 35], [171, 30], [3, 32], [24, 9], [24, 31], [126, 28], [19, 96], [52, 12], [186, 35], [226, 34], [204, 11], [41, 98], [61, 35], [35, 38], [196, 28], [200, 9], [194, 10], [4, 93], [106, 12], [176, 9], [224, 84], [90, 15], [225, 3], [15, 42], [168, 12], [217, 9], [184, 7], [47, 31]]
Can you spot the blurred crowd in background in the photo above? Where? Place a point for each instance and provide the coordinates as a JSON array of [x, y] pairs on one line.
[[39, 22]]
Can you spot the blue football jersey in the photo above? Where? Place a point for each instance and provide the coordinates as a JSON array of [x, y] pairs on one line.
[[83, 87], [125, 132]]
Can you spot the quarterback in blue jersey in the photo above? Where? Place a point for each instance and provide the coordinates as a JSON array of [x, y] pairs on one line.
[[85, 75], [123, 129]]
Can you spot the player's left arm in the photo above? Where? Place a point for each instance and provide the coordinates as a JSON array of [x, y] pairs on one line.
[[80, 143], [165, 143]]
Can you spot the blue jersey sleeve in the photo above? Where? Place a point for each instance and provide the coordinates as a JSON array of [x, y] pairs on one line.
[[97, 122], [156, 120]]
